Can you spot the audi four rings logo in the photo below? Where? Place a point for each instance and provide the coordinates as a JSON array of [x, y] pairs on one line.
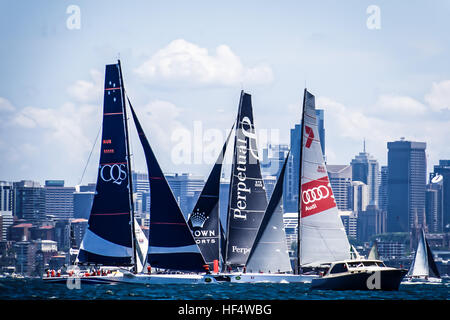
[[113, 172], [315, 194]]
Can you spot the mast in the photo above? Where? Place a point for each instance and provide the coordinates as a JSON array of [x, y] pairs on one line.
[[302, 129], [130, 180]]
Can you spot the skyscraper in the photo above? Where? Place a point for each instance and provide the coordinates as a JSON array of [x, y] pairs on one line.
[[82, 204], [358, 196], [383, 189], [6, 207], [406, 185], [271, 164], [443, 169], [340, 180], [141, 189], [58, 200], [434, 204], [365, 168], [273, 159], [29, 200]]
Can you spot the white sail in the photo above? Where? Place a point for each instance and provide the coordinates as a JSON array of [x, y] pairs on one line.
[[322, 234], [270, 252], [141, 242], [419, 265]]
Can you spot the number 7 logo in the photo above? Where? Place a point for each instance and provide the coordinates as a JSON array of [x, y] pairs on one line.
[[309, 131]]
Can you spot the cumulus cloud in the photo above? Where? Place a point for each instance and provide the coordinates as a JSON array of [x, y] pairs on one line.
[[185, 63], [64, 128], [439, 97], [6, 106], [87, 91], [388, 119], [399, 105], [53, 139], [161, 118]]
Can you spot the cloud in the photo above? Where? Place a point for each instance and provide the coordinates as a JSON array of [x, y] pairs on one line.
[[6, 106], [62, 128], [388, 119], [185, 63], [439, 97], [161, 117], [87, 91], [42, 142], [399, 105]]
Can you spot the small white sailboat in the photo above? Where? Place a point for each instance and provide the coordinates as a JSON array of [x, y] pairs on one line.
[[373, 253], [423, 268]]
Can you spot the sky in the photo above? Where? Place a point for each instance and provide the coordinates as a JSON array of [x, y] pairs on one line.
[[379, 70]]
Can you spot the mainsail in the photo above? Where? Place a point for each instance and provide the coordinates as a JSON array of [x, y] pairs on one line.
[[322, 237], [171, 244], [109, 237], [423, 263], [270, 251], [248, 200], [204, 220]]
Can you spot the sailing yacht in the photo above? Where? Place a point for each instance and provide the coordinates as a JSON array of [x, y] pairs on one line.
[[113, 240], [114, 244], [423, 268], [255, 248], [322, 243]]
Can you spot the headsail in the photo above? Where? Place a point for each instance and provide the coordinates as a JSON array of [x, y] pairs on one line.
[[373, 254], [141, 244], [171, 244], [322, 234], [204, 219], [108, 238], [423, 263], [270, 251], [248, 200]]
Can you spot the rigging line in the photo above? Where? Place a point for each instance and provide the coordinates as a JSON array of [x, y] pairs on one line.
[[132, 156], [90, 154]]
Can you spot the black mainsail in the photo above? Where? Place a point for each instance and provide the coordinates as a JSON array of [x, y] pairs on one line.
[[270, 251], [171, 243], [109, 237], [248, 200], [204, 220]]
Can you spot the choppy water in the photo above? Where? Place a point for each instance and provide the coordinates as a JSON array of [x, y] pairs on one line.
[[35, 289]]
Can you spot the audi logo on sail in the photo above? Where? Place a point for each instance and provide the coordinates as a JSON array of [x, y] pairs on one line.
[[315, 194], [113, 172]]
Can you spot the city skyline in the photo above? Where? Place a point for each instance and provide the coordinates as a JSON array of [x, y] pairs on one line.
[[374, 84]]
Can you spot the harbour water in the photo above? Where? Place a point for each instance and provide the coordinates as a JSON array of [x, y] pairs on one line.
[[35, 289]]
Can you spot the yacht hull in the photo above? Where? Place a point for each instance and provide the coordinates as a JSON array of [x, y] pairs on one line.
[[270, 278], [144, 279], [388, 280], [421, 280]]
